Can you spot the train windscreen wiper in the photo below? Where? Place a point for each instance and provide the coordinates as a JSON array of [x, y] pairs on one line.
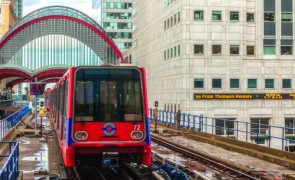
[[82, 120]]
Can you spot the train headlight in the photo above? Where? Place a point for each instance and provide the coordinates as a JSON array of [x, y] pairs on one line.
[[81, 135], [136, 135]]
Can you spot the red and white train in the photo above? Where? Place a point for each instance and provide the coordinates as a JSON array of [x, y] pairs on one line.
[[100, 116]]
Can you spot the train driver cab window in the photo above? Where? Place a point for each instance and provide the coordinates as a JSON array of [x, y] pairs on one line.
[[84, 101], [108, 95]]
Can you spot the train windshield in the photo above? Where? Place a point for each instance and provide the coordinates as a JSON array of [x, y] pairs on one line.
[[103, 95]]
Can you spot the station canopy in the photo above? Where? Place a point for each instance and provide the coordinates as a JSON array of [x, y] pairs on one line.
[[46, 42]]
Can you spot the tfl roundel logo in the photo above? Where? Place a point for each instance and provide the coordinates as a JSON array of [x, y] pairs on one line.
[[109, 129]]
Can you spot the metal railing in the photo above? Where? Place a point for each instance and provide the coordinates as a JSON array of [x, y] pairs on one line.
[[279, 137], [9, 122], [6, 103], [10, 168]]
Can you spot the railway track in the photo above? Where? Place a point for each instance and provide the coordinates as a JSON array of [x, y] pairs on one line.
[[127, 172], [219, 170]]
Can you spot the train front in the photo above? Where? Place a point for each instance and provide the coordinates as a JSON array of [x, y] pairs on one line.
[[109, 123]]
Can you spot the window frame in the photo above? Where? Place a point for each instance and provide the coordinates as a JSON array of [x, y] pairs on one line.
[[249, 15], [289, 84], [223, 125], [284, 50], [216, 15], [269, 83], [233, 84], [199, 47], [196, 80], [248, 84], [231, 50], [248, 50], [232, 16], [201, 18], [218, 85], [213, 47]]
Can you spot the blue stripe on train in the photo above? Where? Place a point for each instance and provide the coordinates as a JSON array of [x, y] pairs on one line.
[[68, 128], [148, 133]]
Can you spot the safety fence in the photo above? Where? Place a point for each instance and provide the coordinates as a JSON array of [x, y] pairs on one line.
[[10, 168], [6, 103], [9, 122], [280, 137]]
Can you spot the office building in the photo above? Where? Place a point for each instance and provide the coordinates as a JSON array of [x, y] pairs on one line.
[[222, 59], [115, 16]]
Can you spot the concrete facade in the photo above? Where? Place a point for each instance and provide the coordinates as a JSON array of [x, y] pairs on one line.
[[171, 80]]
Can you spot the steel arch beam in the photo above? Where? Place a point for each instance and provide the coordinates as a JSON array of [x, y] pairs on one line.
[[50, 73], [4, 58], [6, 73], [16, 82]]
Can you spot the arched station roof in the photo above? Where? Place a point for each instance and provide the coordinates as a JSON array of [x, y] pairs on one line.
[[60, 29]]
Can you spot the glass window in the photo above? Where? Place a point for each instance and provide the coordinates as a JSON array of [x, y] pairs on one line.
[[269, 83], [164, 25], [250, 50], [286, 16], [234, 15], [216, 49], [165, 55], [178, 50], [259, 125], [290, 125], [198, 49], [269, 16], [178, 16], [216, 83], [171, 52], [286, 50], [234, 83], [286, 5], [286, 83], [198, 15], [199, 83], [216, 15], [287, 29], [234, 49], [123, 99], [269, 5], [269, 28], [175, 51], [252, 83], [224, 126], [269, 50], [168, 54], [250, 17]]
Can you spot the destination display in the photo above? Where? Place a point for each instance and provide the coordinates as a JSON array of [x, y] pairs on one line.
[[244, 96]]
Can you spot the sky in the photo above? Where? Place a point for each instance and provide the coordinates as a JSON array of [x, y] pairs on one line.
[[81, 5]]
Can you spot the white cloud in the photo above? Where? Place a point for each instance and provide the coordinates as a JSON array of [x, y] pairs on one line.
[[81, 5]]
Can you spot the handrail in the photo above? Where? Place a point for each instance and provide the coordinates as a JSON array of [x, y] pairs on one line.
[[9, 122], [10, 168], [239, 130]]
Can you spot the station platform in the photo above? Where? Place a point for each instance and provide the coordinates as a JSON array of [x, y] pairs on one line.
[[39, 156], [256, 158]]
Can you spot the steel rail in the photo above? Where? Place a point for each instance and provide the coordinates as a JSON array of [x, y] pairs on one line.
[[206, 160]]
